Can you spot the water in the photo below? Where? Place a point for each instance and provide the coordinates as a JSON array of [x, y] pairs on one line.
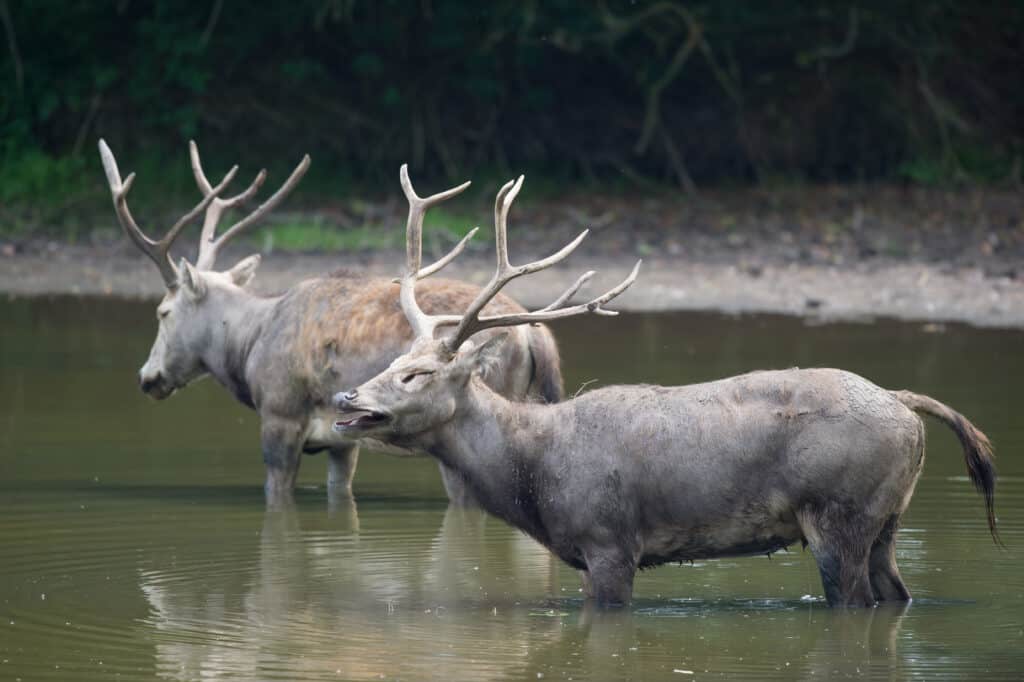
[[134, 543]]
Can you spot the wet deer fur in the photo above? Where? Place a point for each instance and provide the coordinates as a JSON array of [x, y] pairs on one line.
[[286, 355], [628, 477]]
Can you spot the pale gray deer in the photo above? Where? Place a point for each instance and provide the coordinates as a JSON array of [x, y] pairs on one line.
[[628, 477], [285, 355]]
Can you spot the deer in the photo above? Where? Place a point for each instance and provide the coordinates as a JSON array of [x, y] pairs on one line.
[[628, 477], [284, 355]]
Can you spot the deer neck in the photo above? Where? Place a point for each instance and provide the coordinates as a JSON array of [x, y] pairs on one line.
[[499, 447], [234, 329]]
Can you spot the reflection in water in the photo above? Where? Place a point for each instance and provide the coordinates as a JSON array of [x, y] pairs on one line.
[[821, 643], [329, 602], [347, 604], [133, 548], [860, 643]]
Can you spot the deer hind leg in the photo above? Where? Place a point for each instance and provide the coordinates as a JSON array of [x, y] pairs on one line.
[[341, 467], [841, 543], [886, 583]]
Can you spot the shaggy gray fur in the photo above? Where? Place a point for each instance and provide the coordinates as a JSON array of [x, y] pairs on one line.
[[627, 477]]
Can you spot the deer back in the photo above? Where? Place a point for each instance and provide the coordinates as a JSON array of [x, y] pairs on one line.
[[331, 332]]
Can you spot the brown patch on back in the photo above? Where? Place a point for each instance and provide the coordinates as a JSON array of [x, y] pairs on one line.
[[344, 316], [374, 313]]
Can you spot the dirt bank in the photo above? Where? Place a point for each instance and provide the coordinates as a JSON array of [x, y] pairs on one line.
[[935, 292], [830, 252]]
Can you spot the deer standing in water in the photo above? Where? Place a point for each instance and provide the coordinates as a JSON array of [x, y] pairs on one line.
[[285, 355], [629, 477]]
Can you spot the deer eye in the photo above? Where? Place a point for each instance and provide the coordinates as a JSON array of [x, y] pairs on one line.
[[412, 375], [163, 313]]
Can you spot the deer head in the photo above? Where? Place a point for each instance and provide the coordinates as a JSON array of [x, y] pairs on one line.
[[195, 293], [420, 389]]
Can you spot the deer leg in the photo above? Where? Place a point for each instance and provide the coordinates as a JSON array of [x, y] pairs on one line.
[[588, 587], [840, 547], [608, 579], [281, 440], [341, 467], [886, 583]]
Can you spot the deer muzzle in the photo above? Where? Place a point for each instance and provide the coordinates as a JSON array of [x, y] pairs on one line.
[[352, 416], [155, 386]]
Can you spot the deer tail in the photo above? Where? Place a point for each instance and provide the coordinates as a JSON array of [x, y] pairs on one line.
[[977, 448]]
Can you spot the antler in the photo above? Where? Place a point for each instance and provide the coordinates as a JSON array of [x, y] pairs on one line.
[[158, 251], [422, 324], [471, 322], [208, 245]]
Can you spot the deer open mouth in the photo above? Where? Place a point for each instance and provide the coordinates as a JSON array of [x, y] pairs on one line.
[[360, 419]]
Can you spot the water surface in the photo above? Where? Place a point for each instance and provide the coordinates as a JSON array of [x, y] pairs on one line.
[[134, 542]]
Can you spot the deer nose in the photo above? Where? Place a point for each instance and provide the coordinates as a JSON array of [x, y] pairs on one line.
[[342, 400], [148, 383]]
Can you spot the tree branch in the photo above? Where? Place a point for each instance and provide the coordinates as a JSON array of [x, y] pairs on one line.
[[12, 44]]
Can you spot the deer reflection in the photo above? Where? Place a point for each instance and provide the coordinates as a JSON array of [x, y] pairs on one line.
[[431, 593], [339, 593], [468, 563], [861, 643], [734, 639]]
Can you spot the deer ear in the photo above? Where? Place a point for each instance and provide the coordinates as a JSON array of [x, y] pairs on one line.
[[485, 356], [244, 270], [191, 280]]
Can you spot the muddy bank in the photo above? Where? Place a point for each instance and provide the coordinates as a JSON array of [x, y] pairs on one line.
[[829, 252], [930, 292]]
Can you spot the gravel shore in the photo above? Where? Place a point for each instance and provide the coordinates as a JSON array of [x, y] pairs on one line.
[[928, 292]]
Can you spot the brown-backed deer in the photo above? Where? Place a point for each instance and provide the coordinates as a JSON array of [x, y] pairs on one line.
[[285, 355], [628, 477]]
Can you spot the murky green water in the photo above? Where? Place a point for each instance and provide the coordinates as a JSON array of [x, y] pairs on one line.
[[134, 541]]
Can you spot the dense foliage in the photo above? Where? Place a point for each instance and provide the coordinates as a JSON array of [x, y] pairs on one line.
[[686, 93]]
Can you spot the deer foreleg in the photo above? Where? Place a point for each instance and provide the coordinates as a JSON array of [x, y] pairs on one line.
[[341, 467], [281, 440]]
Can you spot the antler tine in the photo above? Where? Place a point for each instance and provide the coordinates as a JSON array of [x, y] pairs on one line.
[[568, 293], [414, 226], [502, 204], [119, 192], [209, 246], [505, 272], [552, 312], [157, 251], [447, 258], [199, 208], [422, 324], [216, 208]]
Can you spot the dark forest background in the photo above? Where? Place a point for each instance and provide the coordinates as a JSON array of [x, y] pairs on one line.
[[672, 94]]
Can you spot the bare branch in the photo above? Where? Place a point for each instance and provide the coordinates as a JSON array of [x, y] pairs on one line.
[[12, 44]]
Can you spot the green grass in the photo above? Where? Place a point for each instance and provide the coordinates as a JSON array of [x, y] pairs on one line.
[[454, 225], [314, 233]]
